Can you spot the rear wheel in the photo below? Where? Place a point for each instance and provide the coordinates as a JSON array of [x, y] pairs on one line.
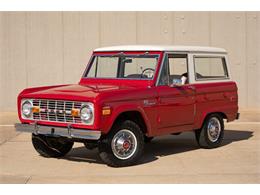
[[123, 146], [212, 133], [51, 146]]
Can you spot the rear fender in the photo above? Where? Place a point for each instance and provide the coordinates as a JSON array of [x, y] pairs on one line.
[[230, 115]]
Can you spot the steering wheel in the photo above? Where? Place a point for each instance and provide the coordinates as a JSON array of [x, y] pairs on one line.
[[149, 72]]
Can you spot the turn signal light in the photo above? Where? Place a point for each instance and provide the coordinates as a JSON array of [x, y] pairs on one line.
[[75, 112], [35, 109], [106, 110]]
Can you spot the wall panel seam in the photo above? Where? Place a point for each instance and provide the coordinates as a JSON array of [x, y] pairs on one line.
[[246, 59], [26, 47], [62, 45]]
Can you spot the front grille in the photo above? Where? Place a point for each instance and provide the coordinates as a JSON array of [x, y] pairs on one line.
[[56, 110]]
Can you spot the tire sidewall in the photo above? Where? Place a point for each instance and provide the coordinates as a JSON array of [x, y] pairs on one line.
[[105, 148], [205, 131]]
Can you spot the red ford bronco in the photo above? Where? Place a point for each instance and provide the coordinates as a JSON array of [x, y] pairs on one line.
[[127, 96]]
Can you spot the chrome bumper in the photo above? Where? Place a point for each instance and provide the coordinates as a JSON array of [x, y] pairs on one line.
[[58, 131]]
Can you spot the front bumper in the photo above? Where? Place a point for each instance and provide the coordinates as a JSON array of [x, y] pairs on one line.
[[58, 131]]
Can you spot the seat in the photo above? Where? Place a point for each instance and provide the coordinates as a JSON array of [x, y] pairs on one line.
[[136, 76]]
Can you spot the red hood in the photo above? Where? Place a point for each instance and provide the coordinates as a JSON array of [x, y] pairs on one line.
[[74, 92]]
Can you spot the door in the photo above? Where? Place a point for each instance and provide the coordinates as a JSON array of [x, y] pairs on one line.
[[176, 96]]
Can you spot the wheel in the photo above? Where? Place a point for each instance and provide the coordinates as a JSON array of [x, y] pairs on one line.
[[123, 146], [148, 139], [51, 146], [212, 132]]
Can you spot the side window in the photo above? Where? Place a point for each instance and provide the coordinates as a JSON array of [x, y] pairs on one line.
[[210, 68], [178, 68], [174, 70]]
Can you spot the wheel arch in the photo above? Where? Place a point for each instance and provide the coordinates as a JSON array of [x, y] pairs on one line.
[[206, 115], [136, 115]]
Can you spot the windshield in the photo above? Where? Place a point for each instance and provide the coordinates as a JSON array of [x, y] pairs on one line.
[[123, 66]]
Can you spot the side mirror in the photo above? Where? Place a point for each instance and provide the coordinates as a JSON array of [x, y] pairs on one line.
[[176, 83], [129, 60]]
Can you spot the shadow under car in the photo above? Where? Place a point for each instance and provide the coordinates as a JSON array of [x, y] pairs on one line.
[[160, 146]]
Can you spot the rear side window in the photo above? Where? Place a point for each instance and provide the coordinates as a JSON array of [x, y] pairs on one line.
[[210, 68]]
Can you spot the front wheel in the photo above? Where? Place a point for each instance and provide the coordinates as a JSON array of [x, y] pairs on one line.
[[51, 146], [148, 139], [123, 146], [212, 133]]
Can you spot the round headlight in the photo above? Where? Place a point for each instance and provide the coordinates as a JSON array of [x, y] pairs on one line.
[[27, 108], [86, 113]]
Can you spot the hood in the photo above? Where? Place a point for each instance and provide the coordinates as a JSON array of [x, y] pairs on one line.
[[75, 92]]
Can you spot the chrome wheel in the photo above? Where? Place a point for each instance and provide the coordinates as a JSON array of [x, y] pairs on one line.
[[214, 129], [124, 144]]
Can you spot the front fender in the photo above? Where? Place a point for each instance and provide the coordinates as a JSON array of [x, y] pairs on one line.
[[108, 121]]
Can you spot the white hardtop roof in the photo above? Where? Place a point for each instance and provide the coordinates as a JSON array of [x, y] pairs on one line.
[[177, 48]]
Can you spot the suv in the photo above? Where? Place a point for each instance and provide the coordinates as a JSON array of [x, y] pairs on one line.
[[130, 94]]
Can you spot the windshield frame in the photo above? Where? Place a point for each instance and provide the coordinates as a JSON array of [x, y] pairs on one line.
[[128, 53]]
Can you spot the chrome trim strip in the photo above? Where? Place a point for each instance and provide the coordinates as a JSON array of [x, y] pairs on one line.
[[58, 131]]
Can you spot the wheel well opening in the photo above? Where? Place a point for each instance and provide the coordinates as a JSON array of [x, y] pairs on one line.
[[134, 116], [223, 115]]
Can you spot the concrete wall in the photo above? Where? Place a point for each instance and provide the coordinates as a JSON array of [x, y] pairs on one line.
[[46, 48]]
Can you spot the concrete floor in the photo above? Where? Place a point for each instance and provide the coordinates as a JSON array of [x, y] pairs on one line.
[[167, 159]]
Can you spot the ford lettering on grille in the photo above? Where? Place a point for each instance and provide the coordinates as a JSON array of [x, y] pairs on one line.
[[56, 110]]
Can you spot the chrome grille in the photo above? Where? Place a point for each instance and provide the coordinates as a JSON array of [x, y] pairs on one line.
[[56, 110]]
